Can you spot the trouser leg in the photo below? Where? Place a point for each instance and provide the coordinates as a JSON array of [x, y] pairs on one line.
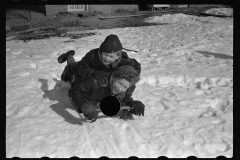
[[68, 74], [70, 59]]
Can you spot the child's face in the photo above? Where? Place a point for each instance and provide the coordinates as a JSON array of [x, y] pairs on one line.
[[120, 85], [108, 58]]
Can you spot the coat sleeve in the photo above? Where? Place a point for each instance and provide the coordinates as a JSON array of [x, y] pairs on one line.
[[135, 64], [79, 93]]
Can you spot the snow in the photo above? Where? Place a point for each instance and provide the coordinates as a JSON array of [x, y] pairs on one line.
[[187, 90], [220, 11]]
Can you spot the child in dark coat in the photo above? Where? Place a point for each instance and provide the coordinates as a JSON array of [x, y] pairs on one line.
[[86, 95]]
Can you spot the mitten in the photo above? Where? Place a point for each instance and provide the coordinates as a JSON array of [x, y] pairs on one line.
[[102, 78], [139, 108], [89, 111]]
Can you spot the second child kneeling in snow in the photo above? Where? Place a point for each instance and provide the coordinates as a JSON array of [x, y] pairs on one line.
[[88, 94]]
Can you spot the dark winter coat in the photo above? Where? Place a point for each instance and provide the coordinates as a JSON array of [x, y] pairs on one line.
[[91, 91]]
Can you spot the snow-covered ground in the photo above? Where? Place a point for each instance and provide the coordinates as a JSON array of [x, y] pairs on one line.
[[220, 11], [187, 87]]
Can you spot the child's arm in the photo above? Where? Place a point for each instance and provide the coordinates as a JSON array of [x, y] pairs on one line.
[[128, 100], [137, 107], [135, 64], [80, 91]]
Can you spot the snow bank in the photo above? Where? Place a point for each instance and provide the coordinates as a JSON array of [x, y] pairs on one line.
[[186, 19], [183, 80], [175, 18], [220, 11]]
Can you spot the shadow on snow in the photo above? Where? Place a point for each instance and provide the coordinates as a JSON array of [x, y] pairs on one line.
[[59, 94]]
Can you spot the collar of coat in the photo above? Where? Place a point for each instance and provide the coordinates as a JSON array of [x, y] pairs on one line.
[[114, 65]]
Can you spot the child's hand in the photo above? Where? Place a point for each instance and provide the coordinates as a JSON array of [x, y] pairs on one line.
[[139, 108], [102, 78], [89, 111]]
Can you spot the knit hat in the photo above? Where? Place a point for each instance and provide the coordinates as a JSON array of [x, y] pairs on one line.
[[111, 44], [127, 72]]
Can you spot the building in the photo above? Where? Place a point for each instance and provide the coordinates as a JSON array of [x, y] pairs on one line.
[[55, 9]]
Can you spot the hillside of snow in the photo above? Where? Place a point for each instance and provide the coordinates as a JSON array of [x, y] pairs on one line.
[[186, 85]]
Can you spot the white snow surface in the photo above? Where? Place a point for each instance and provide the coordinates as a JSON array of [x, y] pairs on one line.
[[188, 95], [220, 11]]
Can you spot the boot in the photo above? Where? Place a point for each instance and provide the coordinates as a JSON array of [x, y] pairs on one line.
[[63, 57]]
